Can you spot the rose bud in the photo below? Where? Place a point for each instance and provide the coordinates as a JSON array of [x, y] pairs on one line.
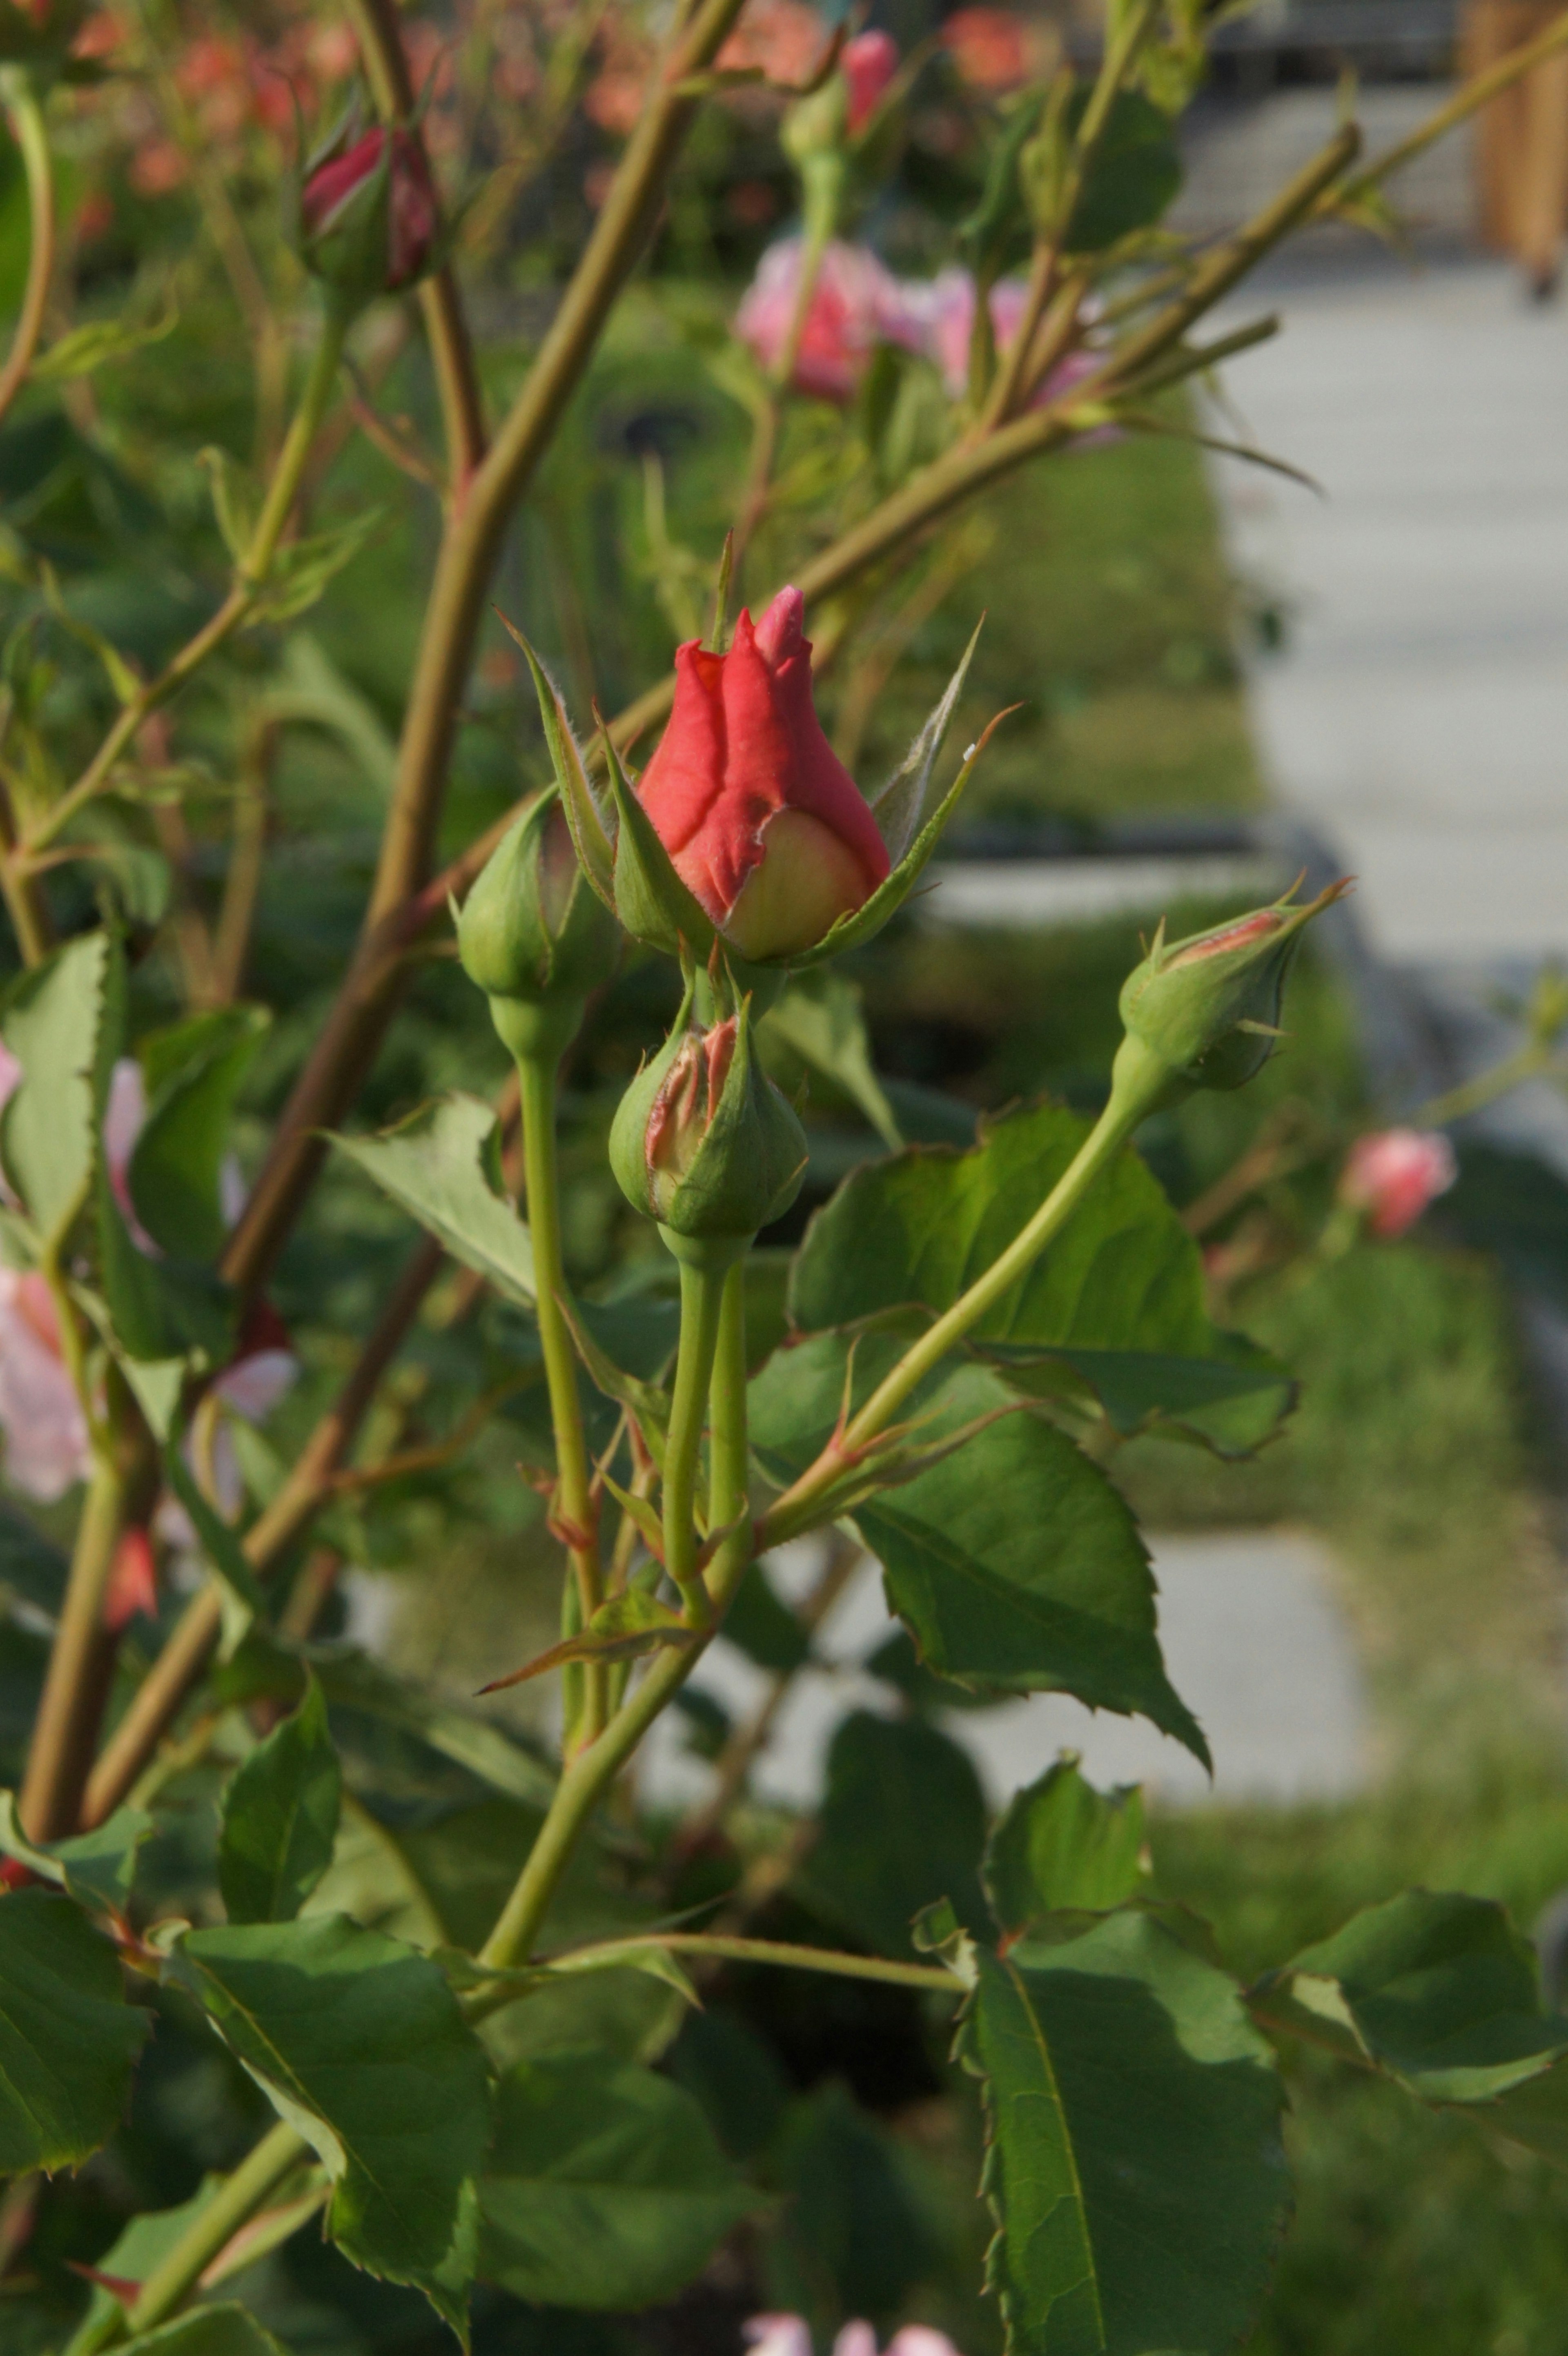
[[1390, 1176], [868, 64], [1207, 1010], [368, 217], [746, 831], [702, 1142], [532, 935], [763, 823]]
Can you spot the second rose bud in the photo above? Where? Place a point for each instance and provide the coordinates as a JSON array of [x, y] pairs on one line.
[[703, 1142]]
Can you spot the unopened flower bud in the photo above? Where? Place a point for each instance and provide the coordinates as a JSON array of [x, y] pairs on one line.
[[702, 1142], [368, 217], [1207, 1010], [1390, 1176], [532, 935]]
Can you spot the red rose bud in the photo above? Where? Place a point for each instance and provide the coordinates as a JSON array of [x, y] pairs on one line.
[[1392, 1176], [1207, 1010], [368, 217], [702, 1142], [763, 823], [868, 64]]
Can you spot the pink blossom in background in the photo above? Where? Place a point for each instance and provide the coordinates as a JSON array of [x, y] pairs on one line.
[[868, 63], [936, 316], [784, 39], [995, 51], [855, 304], [1392, 1176], [45, 1432], [789, 2335]]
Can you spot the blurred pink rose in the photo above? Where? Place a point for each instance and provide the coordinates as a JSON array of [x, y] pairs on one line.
[[855, 304], [869, 63], [1392, 1176], [938, 316], [45, 1432], [789, 2335], [783, 38], [995, 51]]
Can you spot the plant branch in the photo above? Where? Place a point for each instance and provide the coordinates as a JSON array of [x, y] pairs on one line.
[[470, 546], [61, 1751], [702, 1292], [157, 1700], [1471, 95], [720, 1949], [26, 117]]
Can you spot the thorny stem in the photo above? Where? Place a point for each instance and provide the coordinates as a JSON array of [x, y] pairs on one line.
[[26, 117], [470, 545], [249, 574], [173, 2279], [62, 1747], [1136, 1086]]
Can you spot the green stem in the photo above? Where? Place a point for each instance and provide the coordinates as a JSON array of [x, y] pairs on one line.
[[730, 1469], [1473, 1095], [60, 1752], [1138, 1080], [173, 2279], [536, 1074], [26, 117], [701, 1299], [785, 1954], [249, 574]]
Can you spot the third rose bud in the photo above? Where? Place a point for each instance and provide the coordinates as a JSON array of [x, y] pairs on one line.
[[368, 218]]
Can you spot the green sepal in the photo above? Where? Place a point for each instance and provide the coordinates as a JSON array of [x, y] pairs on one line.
[[596, 853], [531, 933], [651, 900], [890, 896], [746, 1168]]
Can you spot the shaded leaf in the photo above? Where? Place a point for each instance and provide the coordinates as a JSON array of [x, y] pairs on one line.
[[84, 348], [97, 1869], [1133, 174], [279, 1817], [351, 1680], [902, 1825], [1060, 1845], [68, 2038], [1134, 2163], [359, 2043], [1014, 1562], [819, 1018], [193, 1074], [1117, 1301], [226, 2330], [605, 2187], [1437, 1989], [303, 569], [53, 1027], [433, 1165], [766, 1629], [850, 2236], [31, 1565]]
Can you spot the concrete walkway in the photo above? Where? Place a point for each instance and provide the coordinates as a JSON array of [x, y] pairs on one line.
[[1418, 714]]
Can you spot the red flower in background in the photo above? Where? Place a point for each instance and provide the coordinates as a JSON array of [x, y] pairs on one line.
[[764, 824]]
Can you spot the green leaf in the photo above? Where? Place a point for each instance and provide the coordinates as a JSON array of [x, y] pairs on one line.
[[193, 1074], [1133, 175], [820, 1019], [1134, 2163], [88, 348], [53, 1027], [1013, 1561], [243, 1602], [32, 1568], [303, 570], [308, 688], [97, 1869], [902, 1825], [279, 1817], [1060, 1846], [351, 1680], [605, 2187], [227, 2330], [68, 2038], [1124, 1280], [433, 1165], [766, 1629], [1437, 1990], [850, 2236], [359, 2043]]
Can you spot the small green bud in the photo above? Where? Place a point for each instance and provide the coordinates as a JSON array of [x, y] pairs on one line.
[[702, 1142], [1206, 1009], [532, 933]]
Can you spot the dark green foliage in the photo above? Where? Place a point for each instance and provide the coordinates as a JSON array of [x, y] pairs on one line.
[[68, 2038], [279, 1817], [902, 1824]]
